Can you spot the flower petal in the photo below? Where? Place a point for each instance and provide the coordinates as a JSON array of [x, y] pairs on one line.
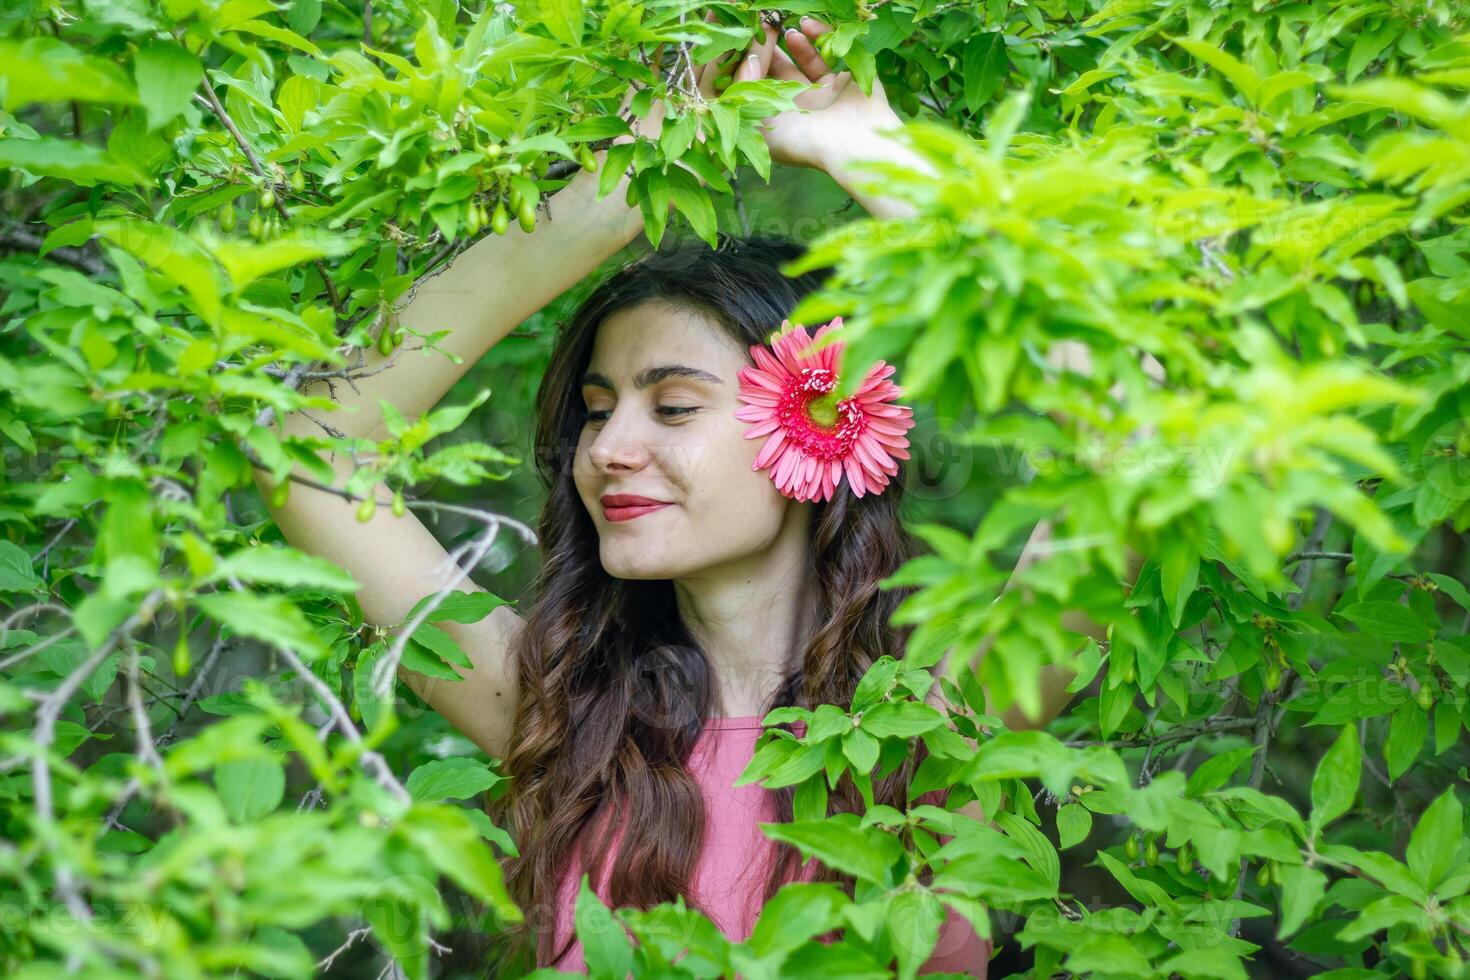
[[772, 446]]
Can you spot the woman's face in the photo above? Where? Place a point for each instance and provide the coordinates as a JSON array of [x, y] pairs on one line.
[[660, 393]]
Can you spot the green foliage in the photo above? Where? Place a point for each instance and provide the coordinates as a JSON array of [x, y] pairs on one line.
[[205, 202]]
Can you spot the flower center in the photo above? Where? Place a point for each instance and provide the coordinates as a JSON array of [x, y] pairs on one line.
[[824, 427], [823, 410]]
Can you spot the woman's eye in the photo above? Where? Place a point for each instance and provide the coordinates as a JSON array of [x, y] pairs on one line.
[[601, 414]]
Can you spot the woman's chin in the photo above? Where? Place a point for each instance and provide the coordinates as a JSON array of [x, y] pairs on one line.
[[622, 563]]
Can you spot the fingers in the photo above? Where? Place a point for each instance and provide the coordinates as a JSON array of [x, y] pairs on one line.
[[712, 70], [804, 52], [812, 27], [784, 68], [758, 60]]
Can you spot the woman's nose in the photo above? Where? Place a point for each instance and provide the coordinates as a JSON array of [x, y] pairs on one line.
[[617, 446]]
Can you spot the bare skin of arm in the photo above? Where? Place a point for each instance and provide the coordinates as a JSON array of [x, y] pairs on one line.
[[484, 294], [487, 291]]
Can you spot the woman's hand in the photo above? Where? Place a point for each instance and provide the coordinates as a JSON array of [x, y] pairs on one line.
[[827, 117]]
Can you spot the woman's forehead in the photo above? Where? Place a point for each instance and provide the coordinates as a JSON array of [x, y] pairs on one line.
[[637, 338]]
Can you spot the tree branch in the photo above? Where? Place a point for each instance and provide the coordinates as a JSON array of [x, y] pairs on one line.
[[212, 102]]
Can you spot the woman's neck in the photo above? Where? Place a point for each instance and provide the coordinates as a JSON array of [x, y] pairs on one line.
[[753, 617]]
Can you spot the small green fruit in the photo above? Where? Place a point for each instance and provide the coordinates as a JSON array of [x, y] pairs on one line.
[[387, 340], [500, 220], [267, 198], [366, 508], [181, 653]]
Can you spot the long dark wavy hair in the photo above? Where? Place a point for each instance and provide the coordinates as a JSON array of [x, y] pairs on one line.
[[614, 691]]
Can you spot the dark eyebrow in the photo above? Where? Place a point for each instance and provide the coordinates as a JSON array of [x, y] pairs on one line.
[[652, 375]]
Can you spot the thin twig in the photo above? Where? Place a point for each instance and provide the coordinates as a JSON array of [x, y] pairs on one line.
[[19, 239], [1264, 727], [212, 101], [44, 736]]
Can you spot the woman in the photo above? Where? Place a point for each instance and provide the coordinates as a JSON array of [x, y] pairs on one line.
[[661, 634]]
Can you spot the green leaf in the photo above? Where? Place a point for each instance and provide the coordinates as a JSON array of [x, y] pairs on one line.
[[167, 75], [250, 788], [1437, 840], [1003, 123], [246, 262], [297, 95], [456, 778], [269, 618], [836, 843], [419, 660], [1216, 771], [304, 16], [563, 18], [1178, 573], [285, 567], [861, 749], [605, 944], [1301, 889], [452, 842], [66, 656], [174, 255], [127, 530], [794, 915], [399, 922], [458, 607], [1407, 729], [1241, 75], [1335, 783], [1385, 913], [1074, 823], [1386, 620], [900, 719], [692, 201], [914, 918], [983, 66], [44, 69], [434, 639], [79, 163], [17, 574]]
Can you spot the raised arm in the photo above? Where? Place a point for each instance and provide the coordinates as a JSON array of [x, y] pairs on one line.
[[485, 293]]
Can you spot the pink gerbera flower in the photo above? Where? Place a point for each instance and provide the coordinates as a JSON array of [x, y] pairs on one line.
[[812, 438]]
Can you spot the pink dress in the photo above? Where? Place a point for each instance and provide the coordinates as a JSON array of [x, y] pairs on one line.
[[730, 876]]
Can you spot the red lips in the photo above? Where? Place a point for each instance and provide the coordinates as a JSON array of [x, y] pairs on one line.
[[626, 506]]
